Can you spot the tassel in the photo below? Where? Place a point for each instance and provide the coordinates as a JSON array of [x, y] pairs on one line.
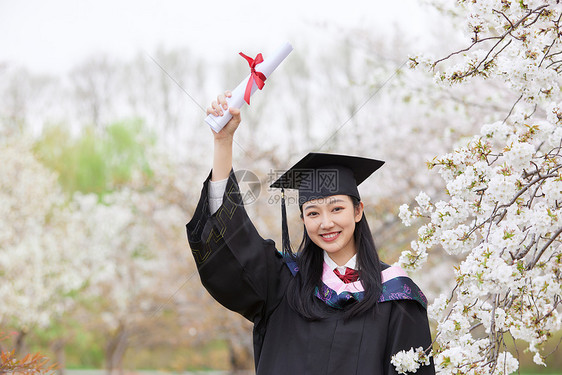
[[286, 242]]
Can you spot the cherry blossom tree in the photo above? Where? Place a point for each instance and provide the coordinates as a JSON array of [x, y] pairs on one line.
[[129, 266], [38, 236], [502, 216]]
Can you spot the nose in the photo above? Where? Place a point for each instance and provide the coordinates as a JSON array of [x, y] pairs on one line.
[[326, 222]]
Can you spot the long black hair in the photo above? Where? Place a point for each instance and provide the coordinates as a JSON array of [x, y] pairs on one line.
[[310, 258]]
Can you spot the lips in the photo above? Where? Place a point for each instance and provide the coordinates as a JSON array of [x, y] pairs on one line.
[[329, 237]]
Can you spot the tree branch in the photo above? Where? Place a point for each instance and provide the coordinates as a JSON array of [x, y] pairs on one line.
[[543, 249]]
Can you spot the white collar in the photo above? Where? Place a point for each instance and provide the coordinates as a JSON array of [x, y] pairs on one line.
[[352, 263]]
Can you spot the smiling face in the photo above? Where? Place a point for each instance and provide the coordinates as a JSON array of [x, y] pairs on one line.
[[330, 224]]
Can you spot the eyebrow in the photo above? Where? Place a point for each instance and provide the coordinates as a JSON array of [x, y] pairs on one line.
[[332, 201]]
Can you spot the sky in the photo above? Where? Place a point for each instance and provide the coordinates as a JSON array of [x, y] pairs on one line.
[[53, 36]]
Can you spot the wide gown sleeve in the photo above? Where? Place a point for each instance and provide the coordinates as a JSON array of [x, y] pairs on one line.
[[408, 328], [239, 268]]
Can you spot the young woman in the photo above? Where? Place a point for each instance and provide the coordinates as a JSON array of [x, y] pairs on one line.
[[332, 308]]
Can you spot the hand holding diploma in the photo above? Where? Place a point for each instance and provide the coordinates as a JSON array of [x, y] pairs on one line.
[[260, 70], [220, 108]]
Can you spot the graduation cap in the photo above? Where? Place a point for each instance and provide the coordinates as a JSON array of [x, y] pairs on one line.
[[319, 175]]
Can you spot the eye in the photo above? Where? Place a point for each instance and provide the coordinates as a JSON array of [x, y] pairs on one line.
[[312, 213], [337, 208]]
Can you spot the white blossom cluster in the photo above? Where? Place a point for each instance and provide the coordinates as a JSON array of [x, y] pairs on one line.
[[503, 217], [410, 361], [517, 41]]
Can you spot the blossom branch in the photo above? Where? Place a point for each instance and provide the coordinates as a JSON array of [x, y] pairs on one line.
[[476, 41]]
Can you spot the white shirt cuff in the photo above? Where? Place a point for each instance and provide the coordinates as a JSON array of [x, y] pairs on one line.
[[216, 192]]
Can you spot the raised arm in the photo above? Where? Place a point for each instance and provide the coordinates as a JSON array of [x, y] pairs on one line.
[[222, 155], [237, 266]]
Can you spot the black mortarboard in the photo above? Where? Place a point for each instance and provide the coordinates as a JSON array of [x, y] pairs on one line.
[[320, 175]]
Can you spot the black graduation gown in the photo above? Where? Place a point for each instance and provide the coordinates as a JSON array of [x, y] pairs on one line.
[[246, 274]]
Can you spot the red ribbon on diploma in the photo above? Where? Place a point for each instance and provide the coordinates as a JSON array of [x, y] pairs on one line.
[[255, 76]]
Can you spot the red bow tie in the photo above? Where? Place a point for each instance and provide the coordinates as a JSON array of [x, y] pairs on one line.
[[350, 276]]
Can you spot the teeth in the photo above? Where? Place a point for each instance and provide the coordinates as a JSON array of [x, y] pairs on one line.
[[332, 235]]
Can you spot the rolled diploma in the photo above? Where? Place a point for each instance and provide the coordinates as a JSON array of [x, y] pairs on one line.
[[237, 99]]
